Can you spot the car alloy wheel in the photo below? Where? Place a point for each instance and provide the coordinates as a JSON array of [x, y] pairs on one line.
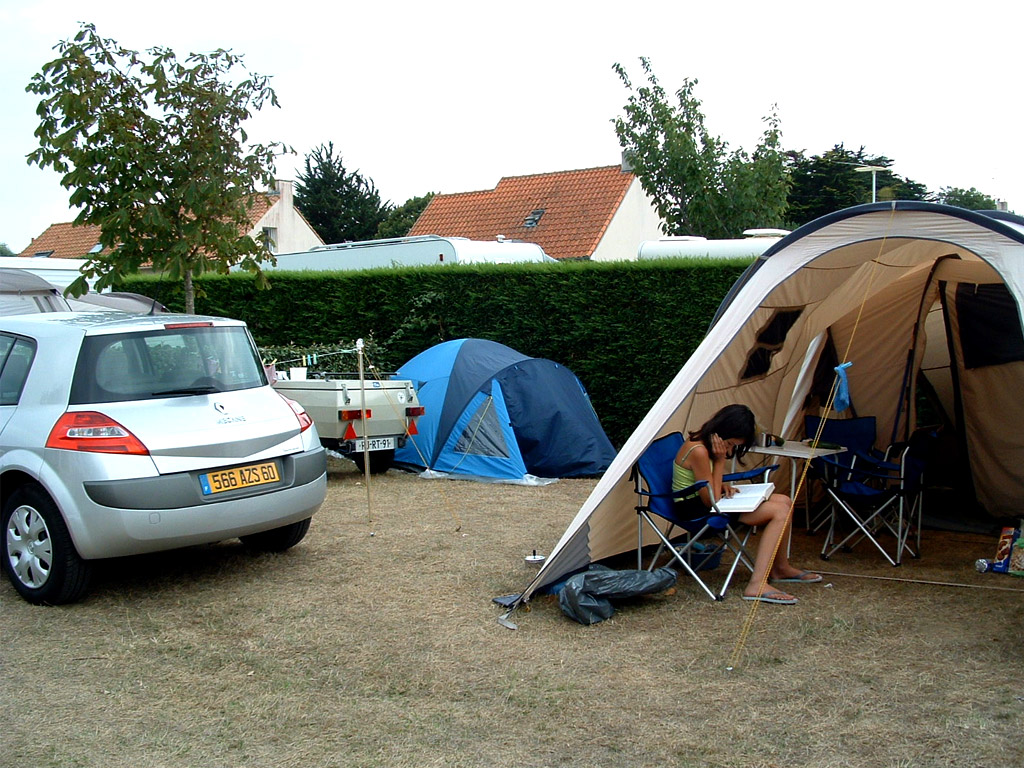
[[29, 547], [38, 555]]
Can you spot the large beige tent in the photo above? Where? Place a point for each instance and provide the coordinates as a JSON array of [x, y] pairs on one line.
[[895, 288]]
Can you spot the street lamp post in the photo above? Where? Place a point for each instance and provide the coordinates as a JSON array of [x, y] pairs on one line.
[[874, 175]]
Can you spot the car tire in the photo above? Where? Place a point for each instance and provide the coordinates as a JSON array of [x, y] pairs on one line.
[[38, 555], [278, 539], [380, 461]]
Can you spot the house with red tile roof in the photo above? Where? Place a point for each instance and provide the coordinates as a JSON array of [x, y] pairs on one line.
[[598, 214], [272, 212]]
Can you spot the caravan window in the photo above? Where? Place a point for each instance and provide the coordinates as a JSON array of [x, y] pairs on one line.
[[769, 341], [990, 332]]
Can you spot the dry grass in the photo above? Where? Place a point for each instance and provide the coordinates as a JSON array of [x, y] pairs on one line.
[[374, 643]]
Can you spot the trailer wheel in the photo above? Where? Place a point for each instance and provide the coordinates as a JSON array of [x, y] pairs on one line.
[[380, 461]]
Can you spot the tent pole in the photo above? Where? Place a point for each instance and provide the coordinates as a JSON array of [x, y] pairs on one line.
[[966, 477], [904, 394], [909, 388]]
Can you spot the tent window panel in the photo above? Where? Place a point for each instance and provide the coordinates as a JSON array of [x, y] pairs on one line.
[[774, 333], [769, 341], [759, 362], [483, 436], [990, 332]]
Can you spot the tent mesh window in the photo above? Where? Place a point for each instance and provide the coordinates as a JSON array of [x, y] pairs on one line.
[[769, 341], [483, 435], [990, 332]]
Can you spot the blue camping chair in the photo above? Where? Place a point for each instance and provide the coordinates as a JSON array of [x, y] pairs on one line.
[[704, 533], [879, 494], [856, 435]]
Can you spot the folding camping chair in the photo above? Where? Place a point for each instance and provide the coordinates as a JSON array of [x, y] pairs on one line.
[[878, 493], [856, 435], [704, 533], [912, 457]]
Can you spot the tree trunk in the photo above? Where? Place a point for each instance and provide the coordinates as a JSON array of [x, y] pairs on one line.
[[190, 293]]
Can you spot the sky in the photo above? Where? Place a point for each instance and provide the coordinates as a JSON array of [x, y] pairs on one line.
[[451, 96]]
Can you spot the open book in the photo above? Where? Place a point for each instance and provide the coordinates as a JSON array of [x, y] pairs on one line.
[[746, 498]]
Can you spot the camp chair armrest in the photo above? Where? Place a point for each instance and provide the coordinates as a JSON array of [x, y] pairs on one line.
[[830, 469], [877, 465], [719, 521], [747, 474], [690, 490], [830, 461]]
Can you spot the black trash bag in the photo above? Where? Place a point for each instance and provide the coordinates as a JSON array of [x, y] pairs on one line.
[[586, 597]]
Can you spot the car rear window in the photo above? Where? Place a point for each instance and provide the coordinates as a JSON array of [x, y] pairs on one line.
[[170, 362]]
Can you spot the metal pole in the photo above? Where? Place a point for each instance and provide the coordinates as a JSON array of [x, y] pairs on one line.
[[366, 439]]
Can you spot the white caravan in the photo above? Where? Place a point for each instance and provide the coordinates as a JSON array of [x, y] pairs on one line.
[[422, 250], [750, 246]]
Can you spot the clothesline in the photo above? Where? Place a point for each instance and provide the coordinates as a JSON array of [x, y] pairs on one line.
[[312, 359]]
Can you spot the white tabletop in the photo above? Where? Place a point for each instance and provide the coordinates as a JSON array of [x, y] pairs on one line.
[[794, 449]]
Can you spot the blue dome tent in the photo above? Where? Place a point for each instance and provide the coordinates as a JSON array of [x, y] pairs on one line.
[[492, 412]]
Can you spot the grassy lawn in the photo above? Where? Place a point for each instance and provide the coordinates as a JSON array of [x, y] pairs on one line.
[[374, 643]]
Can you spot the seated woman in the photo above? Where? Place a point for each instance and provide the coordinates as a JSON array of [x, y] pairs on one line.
[[726, 435]]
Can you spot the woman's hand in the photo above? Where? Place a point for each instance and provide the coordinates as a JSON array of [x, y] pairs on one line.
[[728, 491], [719, 448]]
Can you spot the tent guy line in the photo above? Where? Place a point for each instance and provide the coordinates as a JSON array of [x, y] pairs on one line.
[[837, 385], [921, 581]]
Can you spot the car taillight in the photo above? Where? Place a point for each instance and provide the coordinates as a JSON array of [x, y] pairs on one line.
[[95, 433], [305, 422], [415, 410], [354, 414]]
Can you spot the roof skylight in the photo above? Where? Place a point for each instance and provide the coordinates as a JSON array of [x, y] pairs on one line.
[[533, 219]]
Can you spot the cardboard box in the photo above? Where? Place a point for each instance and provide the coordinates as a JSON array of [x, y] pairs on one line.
[[1001, 562]]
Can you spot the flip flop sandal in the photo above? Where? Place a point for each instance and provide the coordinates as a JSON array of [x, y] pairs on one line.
[[799, 579], [776, 598]]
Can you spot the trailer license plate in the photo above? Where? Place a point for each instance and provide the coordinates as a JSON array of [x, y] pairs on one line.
[[238, 477], [376, 444]]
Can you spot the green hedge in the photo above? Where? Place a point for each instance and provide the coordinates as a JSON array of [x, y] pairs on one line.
[[625, 328]]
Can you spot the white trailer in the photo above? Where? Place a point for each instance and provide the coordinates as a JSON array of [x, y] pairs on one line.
[[361, 419], [753, 244], [423, 250]]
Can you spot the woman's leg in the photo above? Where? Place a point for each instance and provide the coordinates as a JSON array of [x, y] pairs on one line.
[[773, 518]]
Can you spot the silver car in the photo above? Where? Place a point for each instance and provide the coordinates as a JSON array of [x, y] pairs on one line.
[[123, 434]]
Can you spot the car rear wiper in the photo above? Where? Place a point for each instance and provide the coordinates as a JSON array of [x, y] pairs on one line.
[[185, 391]]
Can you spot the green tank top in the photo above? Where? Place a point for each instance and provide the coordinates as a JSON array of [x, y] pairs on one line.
[[682, 477]]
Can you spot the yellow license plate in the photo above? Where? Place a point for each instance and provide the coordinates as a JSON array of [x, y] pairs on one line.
[[238, 477]]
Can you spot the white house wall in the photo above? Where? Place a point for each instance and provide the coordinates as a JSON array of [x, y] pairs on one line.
[[293, 232], [635, 221]]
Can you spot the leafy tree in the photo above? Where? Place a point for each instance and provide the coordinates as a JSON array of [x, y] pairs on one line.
[[401, 219], [971, 199], [154, 153], [830, 182], [341, 206], [698, 185], [5, 251]]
